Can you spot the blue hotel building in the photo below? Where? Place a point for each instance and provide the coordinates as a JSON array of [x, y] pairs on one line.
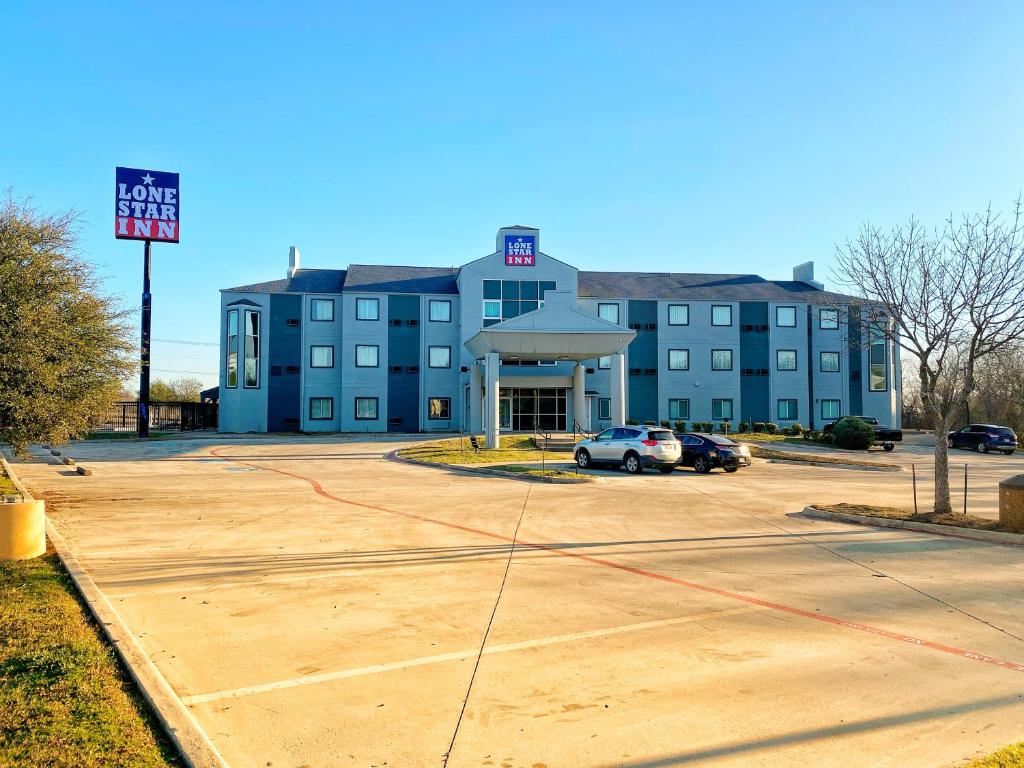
[[518, 340]]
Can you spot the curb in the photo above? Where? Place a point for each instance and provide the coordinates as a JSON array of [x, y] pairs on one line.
[[950, 531], [192, 743], [486, 472], [834, 465]]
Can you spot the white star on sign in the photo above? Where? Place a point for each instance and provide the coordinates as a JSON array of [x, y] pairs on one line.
[[147, 179]]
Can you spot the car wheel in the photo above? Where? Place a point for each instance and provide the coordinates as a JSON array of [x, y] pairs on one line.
[[731, 469], [702, 465], [582, 459], [888, 446], [949, 443], [982, 447], [665, 470], [632, 464], [1008, 453]]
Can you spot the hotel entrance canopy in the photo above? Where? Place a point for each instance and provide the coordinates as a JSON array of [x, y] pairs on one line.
[[556, 331]]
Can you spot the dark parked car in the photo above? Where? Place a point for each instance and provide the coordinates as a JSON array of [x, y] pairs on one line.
[[704, 452], [884, 436], [984, 438]]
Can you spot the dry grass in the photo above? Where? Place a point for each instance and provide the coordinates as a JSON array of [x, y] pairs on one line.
[[6, 486], [1007, 757], [458, 451], [898, 513], [538, 472], [764, 437], [64, 701], [771, 453]]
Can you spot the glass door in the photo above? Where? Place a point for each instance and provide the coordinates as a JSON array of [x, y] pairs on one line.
[[505, 412]]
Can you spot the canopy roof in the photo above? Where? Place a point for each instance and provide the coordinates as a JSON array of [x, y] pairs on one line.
[[556, 331]]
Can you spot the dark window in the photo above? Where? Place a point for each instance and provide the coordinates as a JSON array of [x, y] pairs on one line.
[[440, 408], [440, 357], [721, 359], [604, 408], [679, 359], [830, 362], [440, 311], [291, 369], [829, 409], [366, 408], [292, 322], [785, 359], [321, 310], [367, 309], [252, 349], [828, 319], [321, 408], [721, 410], [678, 314], [721, 314], [231, 363], [321, 357], [679, 409], [787, 410], [367, 355], [785, 317]]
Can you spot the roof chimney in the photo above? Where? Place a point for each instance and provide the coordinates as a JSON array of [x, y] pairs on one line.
[[293, 260], [804, 273]]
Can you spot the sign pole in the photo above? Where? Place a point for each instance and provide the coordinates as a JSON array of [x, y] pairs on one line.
[[147, 312]]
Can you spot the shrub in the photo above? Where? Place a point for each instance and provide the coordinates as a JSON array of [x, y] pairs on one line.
[[666, 425], [758, 426], [743, 426], [650, 423], [771, 428], [632, 422], [797, 429], [680, 426], [853, 434], [726, 426]]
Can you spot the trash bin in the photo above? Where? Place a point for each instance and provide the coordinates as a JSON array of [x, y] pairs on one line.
[[1011, 503], [22, 529]]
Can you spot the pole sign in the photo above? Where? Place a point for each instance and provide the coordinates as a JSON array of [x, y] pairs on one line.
[[147, 205], [520, 250]]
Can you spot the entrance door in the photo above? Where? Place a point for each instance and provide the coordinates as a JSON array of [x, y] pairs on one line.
[[505, 412]]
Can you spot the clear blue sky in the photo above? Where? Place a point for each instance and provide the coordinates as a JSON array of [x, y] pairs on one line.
[[651, 136]]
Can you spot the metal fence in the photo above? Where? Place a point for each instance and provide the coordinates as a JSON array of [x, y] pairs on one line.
[[177, 417]]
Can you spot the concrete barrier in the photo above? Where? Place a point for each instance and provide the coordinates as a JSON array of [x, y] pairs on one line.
[[1011, 503], [22, 530]]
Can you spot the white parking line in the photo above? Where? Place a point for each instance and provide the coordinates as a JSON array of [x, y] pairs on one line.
[[393, 666]]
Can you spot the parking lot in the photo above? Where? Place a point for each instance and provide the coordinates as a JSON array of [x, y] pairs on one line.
[[315, 604]]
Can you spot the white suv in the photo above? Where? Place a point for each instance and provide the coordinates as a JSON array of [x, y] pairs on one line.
[[631, 447]]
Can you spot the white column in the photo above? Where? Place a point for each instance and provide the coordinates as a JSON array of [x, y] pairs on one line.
[[579, 396], [493, 412], [475, 403], [618, 403]]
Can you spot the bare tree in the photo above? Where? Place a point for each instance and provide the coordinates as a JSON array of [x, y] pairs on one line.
[[949, 298]]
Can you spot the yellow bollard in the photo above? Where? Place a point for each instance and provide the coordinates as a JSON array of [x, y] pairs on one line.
[[22, 530]]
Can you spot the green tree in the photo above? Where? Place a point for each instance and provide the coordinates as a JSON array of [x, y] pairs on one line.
[[185, 390], [64, 346]]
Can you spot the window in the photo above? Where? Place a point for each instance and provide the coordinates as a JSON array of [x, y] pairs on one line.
[[321, 310], [679, 359], [721, 314], [878, 378], [785, 317], [439, 357], [505, 299], [367, 355], [231, 364], [828, 319], [367, 309], [830, 362], [609, 312], [678, 409], [321, 408], [440, 311], [829, 409], [321, 357], [604, 408], [604, 362], [787, 410], [721, 360], [366, 408], [252, 349], [785, 359], [678, 314], [440, 408], [721, 409]]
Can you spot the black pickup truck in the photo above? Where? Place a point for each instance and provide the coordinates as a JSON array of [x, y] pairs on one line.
[[884, 436]]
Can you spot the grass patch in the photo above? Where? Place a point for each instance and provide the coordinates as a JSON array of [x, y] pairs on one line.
[[458, 451], [771, 453], [899, 513], [764, 437], [63, 699], [123, 435], [7, 487], [1007, 757], [538, 472]]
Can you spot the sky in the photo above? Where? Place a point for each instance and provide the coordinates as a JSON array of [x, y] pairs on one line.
[[685, 137]]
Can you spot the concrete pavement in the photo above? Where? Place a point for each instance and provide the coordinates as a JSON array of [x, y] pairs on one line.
[[314, 604]]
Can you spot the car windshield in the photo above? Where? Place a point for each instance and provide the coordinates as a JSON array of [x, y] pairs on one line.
[[719, 440], [662, 436]]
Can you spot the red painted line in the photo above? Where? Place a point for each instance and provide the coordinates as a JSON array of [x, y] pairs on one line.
[[780, 607]]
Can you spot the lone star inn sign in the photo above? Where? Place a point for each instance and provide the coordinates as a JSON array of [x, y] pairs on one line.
[[147, 205]]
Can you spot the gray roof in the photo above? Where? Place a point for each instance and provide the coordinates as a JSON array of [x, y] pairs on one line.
[[384, 279], [304, 281], [699, 287]]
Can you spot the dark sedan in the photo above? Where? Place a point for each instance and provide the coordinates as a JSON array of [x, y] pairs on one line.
[[704, 452], [984, 438]]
